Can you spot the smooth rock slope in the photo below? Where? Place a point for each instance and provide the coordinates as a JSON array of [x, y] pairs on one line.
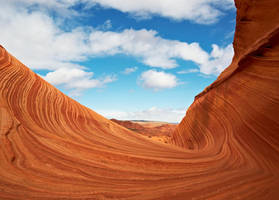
[[226, 147]]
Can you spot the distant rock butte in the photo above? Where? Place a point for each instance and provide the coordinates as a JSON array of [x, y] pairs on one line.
[[158, 131], [226, 147], [148, 128]]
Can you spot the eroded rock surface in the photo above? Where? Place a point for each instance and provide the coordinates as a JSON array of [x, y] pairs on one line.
[[227, 146]]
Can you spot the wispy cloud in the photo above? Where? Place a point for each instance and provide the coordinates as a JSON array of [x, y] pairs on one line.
[[105, 26], [130, 70], [230, 35], [188, 71]]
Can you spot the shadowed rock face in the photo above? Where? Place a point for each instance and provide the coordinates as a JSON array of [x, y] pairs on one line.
[[227, 147]]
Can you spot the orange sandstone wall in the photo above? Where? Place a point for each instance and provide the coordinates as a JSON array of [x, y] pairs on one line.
[[226, 147], [245, 95]]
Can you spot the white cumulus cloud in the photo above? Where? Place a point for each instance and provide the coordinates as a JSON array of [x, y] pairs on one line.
[[38, 40], [157, 80], [147, 45], [220, 58], [43, 45], [198, 11], [76, 80]]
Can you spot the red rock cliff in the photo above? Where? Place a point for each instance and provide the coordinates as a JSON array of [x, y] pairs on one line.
[[227, 146]]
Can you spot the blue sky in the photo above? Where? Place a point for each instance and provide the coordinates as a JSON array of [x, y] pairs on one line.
[[124, 59]]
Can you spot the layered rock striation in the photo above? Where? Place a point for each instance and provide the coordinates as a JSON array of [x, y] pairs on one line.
[[226, 147]]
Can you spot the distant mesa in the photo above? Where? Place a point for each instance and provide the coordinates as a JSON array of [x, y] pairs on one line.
[[160, 131], [225, 148]]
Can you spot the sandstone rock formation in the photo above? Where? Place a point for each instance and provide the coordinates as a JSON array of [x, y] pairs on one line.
[[148, 128], [227, 146]]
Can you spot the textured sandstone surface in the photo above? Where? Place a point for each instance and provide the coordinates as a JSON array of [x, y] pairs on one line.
[[227, 146]]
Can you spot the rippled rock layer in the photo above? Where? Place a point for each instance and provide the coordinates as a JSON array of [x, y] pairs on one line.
[[226, 147]]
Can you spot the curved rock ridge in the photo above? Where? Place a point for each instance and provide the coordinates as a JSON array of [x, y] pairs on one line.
[[247, 90], [226, 147], [239, 112], [256, 23], [54, 148]]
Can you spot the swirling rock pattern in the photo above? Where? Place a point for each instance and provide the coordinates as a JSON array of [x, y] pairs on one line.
[[227, 146]]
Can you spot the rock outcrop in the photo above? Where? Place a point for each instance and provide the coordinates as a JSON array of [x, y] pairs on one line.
[[227, 146]]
